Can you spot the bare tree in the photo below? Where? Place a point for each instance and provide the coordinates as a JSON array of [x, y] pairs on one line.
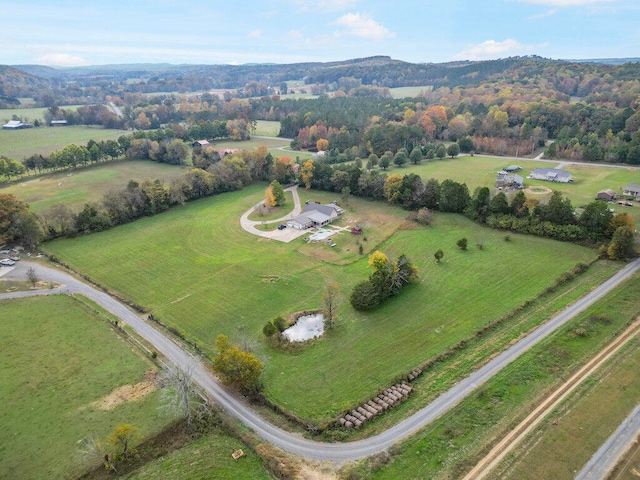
[[331, 299], [180, 395], [32, 276]]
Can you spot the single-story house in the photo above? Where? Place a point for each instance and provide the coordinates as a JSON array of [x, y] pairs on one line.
[[632, 190], [509, 181], [607, 195], [16, 125], [551, 175], [200, 143], [512, 168], [58, 123], [315, 215]]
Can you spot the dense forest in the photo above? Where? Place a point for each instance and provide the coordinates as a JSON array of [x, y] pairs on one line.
[[513, 106]]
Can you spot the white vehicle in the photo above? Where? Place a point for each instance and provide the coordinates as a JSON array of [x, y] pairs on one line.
[[7, 262]]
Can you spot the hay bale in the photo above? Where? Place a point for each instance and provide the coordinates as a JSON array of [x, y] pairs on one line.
[[348, 425], [342, 421], [357, 423], [361, 410], [350, 418], [371, 410]]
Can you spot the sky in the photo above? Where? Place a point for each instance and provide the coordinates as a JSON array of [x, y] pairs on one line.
[[89, 32]]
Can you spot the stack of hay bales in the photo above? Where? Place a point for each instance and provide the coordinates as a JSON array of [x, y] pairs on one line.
[[387, 399]]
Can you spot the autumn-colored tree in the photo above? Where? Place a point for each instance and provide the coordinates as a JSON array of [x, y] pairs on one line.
[[269, 198], [278, 192], [392, 187], [236, 367], [142, 122], [322, 144], [331, 301], [378, 261], [622, 246], [306, 173], [119, 445]]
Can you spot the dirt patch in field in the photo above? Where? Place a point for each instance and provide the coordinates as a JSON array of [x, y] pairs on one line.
[[538, 190], [129, 393]]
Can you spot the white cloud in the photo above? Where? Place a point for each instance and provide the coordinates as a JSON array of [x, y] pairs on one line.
[[294, 34], [255, 34], [363, 26], [492, 49], [61, 59], [565, 3]]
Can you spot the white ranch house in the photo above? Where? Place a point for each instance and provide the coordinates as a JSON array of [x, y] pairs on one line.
[[632, 190], [551, 175], [315, 215]]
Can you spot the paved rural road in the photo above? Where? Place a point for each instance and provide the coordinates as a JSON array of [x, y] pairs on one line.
[[612, 450], [336, 452]]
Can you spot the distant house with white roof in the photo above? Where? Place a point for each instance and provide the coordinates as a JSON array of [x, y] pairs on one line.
[[551, 175], [16, 125]]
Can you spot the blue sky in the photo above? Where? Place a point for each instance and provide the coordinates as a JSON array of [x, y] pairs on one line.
[[88, 32]]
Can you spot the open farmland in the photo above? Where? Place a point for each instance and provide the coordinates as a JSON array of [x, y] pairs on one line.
[[18, 144], [195, 269], [58, 357], [451, 446], [76, 187], [480, 171], [29, 115]]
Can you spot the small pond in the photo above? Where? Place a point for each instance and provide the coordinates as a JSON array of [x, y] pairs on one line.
[[306, 328]]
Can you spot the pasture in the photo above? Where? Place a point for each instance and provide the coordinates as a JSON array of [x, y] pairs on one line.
[[29, 115], [76, 187], [19, 144], [58, 357], [480, 171], [198, 271], [267, 128], [452, 445]]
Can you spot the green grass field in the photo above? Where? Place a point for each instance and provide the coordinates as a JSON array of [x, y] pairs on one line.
[[56, 358], [409, 92], [18, 144], [197, 270], [207, 457], [29, 115], [74, 188], [481, 171], [591, 414], [268, 128], [451, 446]]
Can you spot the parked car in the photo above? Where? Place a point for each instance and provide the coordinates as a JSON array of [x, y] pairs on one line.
[[628, 204], [7, 262], [282, 226]]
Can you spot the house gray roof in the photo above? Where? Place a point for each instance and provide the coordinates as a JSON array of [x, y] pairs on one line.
[[318, 207], [551, 172], [632, 187], [501, 178], [302, 220]]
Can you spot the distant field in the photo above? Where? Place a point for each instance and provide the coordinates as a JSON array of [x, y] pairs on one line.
[[18, 144], [29, 114], [210, 265], [268, 128], [481, 171], [411, 92], [56, 359], [77, 187]]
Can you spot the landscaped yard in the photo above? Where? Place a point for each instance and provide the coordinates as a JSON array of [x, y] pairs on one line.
[[74, 188], [197, 270], [58, 357], [19, 144]]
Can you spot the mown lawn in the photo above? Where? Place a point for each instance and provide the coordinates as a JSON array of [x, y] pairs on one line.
[[196, 270], [268, 128], [453, 444], [56, 358], [74, 188], [19, 144], [411, 92]]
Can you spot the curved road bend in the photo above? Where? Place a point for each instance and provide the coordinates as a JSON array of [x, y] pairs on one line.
[[337, 452]]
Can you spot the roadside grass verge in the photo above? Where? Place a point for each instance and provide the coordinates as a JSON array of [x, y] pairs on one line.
[[565, 441], [57, 358], [450, 446], [76, 187], [195, 269], [18, 144]]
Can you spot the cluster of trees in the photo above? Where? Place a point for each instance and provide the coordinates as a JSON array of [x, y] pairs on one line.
[[386, 281], [274, 195], [18, 225], [237, 367]]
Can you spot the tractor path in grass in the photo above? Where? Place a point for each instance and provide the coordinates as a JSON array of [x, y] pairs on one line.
[[294, 443]]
